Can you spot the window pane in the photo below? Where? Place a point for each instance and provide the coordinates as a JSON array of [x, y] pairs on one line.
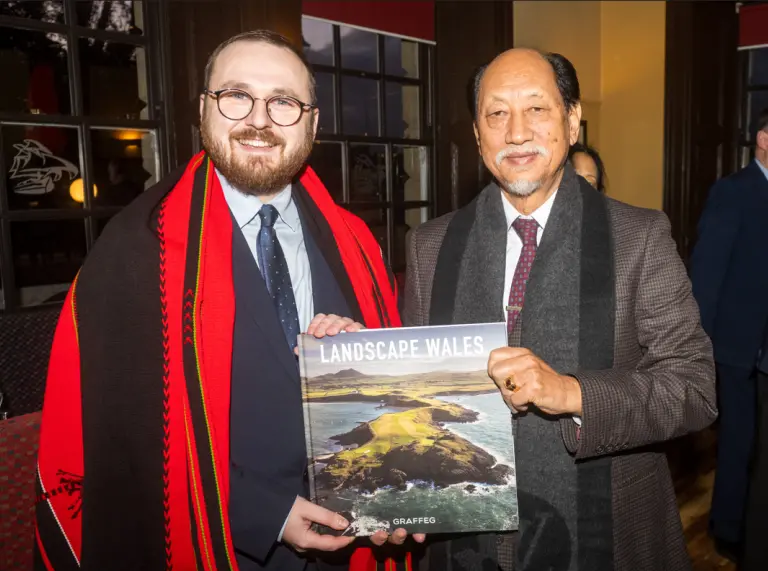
[[124, 165], [368, 173], [114, 79], [758, 67], [34, 67], [758, 100], [325, 102], [46, 257], [43, 10], [360, 106], [402, 111], [125, 16], [401, 57], [317, 38], [42, 164], [359, 49], [405, 220], [409, 176], [325, 160], [376, 219]]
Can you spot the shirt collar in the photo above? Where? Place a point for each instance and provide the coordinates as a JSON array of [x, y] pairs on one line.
[[245, 207], [762, 168], [540, 215]]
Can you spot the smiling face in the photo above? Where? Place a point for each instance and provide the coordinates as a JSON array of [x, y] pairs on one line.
[[523, 129], [254, 154]]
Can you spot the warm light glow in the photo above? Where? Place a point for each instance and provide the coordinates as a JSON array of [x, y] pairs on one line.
[[76, 190], [132, 151], [128, 135]]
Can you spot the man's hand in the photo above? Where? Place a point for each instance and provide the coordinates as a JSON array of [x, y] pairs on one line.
[[397, 538], [297, 530], [323, 325], [524, 379]]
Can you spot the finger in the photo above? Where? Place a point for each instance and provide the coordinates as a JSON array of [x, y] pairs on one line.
[[516, 367], [354, 326], [326, 542], [338, 325], [504, 353], [314, 323], [323, 516], [379, 538], [296, 351], [322, 326], [419, 537], [398, 536]]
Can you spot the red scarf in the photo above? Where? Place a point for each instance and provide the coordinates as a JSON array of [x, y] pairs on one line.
[[193, 269]]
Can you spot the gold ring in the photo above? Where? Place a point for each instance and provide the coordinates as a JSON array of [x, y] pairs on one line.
[[511, 385]]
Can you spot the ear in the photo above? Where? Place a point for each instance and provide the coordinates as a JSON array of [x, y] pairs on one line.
[[315, 118], [574, 123], [477, 136], [202, 106]]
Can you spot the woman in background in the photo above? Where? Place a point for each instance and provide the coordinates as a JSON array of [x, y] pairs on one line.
[[588, 164]]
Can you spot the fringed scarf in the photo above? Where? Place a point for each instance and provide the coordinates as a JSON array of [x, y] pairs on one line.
[[133, 468]]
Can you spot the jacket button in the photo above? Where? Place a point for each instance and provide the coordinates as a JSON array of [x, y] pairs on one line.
[[600, 449]]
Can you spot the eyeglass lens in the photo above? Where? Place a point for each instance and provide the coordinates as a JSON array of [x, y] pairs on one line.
[[237, 105]]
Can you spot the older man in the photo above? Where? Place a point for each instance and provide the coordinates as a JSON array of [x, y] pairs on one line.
[[606, 356], [172, 432]]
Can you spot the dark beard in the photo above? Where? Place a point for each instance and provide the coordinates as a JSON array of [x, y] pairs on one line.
[[258, 176]]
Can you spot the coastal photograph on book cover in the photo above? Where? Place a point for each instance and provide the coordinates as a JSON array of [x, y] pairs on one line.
[[404, 428]]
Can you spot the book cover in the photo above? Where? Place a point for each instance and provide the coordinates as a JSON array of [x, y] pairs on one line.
[[404, 428]]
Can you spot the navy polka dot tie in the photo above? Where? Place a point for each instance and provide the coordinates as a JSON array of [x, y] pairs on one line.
[[527, 229], [274, 270]]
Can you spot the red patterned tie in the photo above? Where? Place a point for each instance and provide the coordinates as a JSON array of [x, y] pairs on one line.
[[526, 228]]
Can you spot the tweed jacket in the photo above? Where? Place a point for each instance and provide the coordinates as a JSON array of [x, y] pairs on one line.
[[662, 384]]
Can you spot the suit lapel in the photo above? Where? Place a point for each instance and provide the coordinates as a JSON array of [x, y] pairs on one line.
[[259, 303]]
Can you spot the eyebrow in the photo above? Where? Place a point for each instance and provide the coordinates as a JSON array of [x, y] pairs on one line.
[[247, 88]]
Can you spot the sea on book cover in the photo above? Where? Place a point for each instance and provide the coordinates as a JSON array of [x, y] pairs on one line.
[[404, 428]]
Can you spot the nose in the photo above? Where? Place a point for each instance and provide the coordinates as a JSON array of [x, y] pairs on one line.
[[258, 117], [518, 131]]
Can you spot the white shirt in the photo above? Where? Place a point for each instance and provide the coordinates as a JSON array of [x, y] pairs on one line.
[[245, 208], [515, 245]]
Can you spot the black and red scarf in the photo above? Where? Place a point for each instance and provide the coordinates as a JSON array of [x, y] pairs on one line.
[[133, 468]]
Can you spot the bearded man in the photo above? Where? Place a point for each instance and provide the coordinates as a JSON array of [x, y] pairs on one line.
[[606, 355], [172, 432]]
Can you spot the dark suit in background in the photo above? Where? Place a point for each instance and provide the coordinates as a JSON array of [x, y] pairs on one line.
[[729, 271], [755, 555], [268, 451]]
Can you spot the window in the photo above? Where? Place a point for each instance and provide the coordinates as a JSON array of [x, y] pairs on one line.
[[754, 99], [79, 134], [374, 147]]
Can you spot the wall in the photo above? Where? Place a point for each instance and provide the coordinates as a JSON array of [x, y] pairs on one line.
[[632, 107], [618, 51]]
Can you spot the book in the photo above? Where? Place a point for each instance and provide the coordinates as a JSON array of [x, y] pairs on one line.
[[405, 429]]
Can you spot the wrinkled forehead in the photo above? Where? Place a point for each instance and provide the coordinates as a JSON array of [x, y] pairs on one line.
[[516, 75], [261, 69]]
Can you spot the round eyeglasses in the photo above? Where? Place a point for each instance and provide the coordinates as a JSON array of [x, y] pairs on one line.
[[236, 104]]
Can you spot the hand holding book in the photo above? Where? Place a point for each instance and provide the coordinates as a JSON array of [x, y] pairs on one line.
[[524, 379]]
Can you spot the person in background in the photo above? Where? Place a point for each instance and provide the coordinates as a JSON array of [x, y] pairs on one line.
[[588, 165], [729, 271]]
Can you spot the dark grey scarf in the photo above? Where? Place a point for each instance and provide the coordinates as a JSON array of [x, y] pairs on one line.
[[568, 321]]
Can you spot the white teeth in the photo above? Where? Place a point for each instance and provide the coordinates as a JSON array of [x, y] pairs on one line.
[[255, 143]]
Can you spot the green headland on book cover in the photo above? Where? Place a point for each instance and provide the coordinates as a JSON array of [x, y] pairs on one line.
[[405, 429]]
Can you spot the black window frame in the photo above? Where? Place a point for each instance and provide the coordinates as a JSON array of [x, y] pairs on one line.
[[154, 42], [427, 127]]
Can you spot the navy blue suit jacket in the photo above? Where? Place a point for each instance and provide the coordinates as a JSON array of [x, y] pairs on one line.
[[729, 266], [267, 446]]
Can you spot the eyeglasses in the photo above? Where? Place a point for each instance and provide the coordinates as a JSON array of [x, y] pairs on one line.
[[236, 104]]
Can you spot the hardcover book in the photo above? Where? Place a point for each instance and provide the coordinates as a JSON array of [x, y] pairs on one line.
[[404, 428]]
